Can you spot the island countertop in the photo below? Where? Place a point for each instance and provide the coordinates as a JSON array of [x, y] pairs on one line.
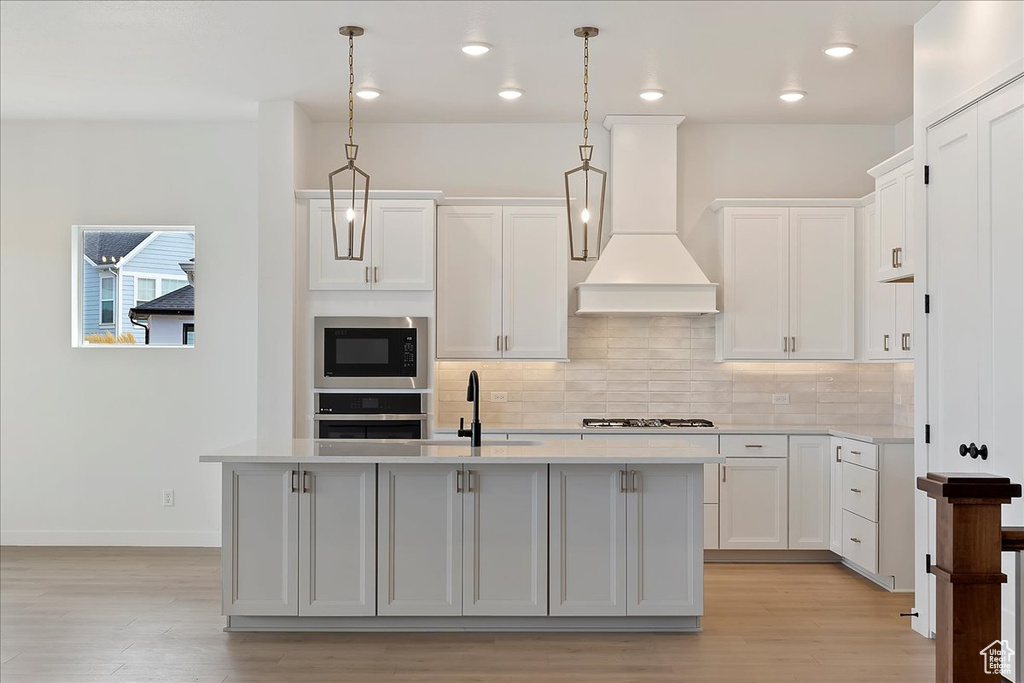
[[639, 451]]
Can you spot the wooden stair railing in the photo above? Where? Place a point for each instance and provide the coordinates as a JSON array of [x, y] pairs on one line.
[[968, 569]]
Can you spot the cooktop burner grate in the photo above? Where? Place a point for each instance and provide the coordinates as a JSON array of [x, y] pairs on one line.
[[642, 423]]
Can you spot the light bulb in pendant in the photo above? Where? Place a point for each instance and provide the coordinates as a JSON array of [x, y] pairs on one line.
[[585, 216], [350, 214]]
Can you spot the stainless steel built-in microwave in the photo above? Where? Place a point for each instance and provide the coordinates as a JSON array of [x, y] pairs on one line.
[[370, 353]]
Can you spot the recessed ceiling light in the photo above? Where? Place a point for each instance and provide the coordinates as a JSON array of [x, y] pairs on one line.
[[791, 95], [368, 93], [476, 49], [840, 49], [652, 94], [510, 93]]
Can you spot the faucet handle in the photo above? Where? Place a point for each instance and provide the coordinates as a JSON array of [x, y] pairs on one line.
[[462, 428]]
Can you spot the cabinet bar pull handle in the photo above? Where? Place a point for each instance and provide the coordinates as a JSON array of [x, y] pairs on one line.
[[293, 481], [792, 347], [723, 473], [458, 480], [366, 275], [497, 343], [885, 342], [506, 342], [622, 481], [635, 480], [306, 481], [894, 258], [376, 274], [469, 481], [906, 341], [854, 452], [899, 256], [854, 539], [838, 448], [754, 445], [785, 344], [855, 490]]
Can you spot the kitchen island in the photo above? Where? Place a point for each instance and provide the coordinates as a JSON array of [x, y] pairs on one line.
[[560, 535]]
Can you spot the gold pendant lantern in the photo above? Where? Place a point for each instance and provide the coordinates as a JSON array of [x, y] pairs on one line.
[[362, 205], [592, 212]]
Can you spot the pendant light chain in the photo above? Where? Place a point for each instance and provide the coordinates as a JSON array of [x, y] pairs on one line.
[[586, 93], [354, 215], [351, 86]]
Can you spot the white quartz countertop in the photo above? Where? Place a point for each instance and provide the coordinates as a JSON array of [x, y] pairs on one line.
[[869, 433], [637, 451]]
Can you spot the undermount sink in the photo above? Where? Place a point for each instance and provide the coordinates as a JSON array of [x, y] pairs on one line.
[[465, 442]]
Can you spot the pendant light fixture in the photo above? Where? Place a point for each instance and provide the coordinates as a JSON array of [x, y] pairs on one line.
[[593, 211], [355, 205]]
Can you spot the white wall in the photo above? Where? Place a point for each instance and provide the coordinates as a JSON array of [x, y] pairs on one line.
[[905, 133], [89, 437]]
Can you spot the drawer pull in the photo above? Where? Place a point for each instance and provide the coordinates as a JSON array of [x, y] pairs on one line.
[[754, 445], [854, 539], [854, 452], [855, 490]]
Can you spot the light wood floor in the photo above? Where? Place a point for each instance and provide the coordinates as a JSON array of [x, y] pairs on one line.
[[83, 615]]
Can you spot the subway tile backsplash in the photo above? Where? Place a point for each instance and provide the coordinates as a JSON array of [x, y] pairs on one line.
[[664, 367]]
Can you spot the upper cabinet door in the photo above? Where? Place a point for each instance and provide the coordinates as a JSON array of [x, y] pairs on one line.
[[469, 282], [822, 283], [325, 272], [535, 274], [904, 317], [895, 201], [880, 336], [756, 315], [403, 244]]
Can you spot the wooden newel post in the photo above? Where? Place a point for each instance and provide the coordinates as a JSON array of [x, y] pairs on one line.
[[967, 569]]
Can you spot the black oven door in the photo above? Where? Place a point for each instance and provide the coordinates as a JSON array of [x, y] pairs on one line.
[[369, 429]]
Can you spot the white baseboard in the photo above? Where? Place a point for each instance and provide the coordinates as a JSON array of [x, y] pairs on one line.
[[204, 539]]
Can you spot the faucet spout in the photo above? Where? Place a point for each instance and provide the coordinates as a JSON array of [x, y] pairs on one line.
[[473, 394]]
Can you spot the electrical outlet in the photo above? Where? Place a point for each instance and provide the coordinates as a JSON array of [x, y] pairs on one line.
[[499, 397], [168, 498], [780, 399], [898, 399]]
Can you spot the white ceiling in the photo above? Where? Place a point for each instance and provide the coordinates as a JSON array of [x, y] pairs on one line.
[[719, 61]]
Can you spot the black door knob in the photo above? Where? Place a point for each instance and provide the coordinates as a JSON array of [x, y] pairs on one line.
[[973, 450], [963, 450], [983, 452]]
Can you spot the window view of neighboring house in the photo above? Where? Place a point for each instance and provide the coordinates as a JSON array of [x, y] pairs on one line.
[[125, 270]]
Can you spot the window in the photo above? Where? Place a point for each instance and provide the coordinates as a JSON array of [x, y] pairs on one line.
[[106, 300], [188, 334], [145, 289], [168, 285]]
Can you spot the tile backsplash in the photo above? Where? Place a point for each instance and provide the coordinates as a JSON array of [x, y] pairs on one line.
[[664, 367]]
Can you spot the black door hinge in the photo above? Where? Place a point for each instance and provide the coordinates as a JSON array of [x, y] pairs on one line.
[[927, 303], [928, 564], [927, 433], [927, 175]]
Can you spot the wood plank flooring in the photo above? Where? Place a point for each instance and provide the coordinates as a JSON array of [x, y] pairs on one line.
[[114, 615]]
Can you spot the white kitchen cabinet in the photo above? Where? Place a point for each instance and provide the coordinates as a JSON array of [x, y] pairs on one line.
[[260, 551], [835, 495], [337, 540], [810, 475], [505, 545], [789, 283], [893, 251], [419, 546], [398, 253], [888, 306], [587, 567], [754, 504], [502, 283], [663, 566]]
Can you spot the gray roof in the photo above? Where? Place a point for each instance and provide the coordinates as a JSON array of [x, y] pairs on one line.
[[112, 244], [179, 302]]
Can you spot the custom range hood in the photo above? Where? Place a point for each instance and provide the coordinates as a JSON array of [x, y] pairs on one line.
[[644, 269]]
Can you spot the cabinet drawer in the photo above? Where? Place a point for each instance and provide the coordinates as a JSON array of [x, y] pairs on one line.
[[860, 453], [755, 445], [711, 526], [860, 491], [860, 541], [711, 474]]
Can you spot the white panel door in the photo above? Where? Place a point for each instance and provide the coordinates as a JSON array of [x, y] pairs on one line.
[[822, 259], [505, 541], [338, 541], [260, 547], [535, 283], [469, 296], [325, 272], [587, 540], [810, 489], [664, 553], [756, 314], [955, 330], [1001, 372], [835, 519], [419, 540], [904, 319], [753, 509], [403, 244]]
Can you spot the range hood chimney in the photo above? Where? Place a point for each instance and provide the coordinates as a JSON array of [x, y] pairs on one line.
[[644, 269]]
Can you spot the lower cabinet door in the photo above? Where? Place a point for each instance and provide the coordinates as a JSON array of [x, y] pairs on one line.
[[419, 540], [505, 541], [835, 543], [587, 540], [260, 548], [338, 541], [664, 556], [753, 504], [810, 475]]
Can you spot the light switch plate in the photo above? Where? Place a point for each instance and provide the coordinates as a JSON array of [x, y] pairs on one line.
[[780, 399]]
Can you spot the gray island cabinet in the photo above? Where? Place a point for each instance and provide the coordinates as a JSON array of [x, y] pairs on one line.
[[560, 535]]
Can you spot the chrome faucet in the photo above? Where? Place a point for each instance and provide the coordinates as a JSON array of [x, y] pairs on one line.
[[472, 394]]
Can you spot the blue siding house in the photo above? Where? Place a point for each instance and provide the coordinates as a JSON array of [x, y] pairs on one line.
[[123, 269]]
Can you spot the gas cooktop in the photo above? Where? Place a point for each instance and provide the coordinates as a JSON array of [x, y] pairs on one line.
[[644, 423]]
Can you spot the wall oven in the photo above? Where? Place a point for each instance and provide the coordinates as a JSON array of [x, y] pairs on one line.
[[369, 416], [370, 353]]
